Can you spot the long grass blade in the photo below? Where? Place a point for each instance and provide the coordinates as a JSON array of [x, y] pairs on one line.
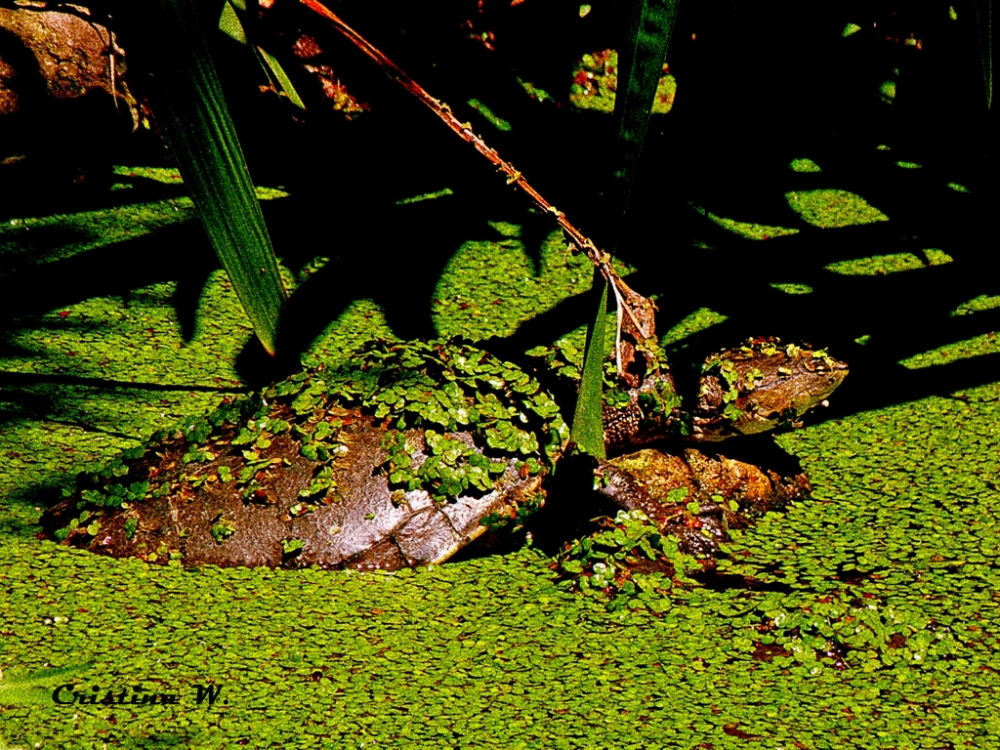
[[231, 24], [202, 138], [640, 65], [588, 426], [984, 28]]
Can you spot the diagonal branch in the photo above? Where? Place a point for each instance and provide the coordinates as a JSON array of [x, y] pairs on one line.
[[638, 310]]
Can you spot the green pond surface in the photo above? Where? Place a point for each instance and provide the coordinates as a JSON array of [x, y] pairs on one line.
[[871, 618]]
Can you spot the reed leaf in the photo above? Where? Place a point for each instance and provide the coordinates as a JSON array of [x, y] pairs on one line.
[[197, 124], [640, 65], [984, 30], [231, 24], [588, 426]]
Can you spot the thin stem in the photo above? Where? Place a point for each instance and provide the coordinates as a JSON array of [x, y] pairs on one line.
[[628, 300]]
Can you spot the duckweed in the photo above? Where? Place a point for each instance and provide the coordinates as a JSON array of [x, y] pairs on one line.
[[833, 208], [865, 616]]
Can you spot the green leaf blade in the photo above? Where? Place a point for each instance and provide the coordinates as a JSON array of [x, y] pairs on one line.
[[203, 140], [588, 424], [231, 25], [640, 65], [984, 31]]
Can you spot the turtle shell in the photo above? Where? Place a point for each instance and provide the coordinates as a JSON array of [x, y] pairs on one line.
[[399, 459]]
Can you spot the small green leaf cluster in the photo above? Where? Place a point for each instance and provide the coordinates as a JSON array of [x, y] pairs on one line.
[[321, 482], [258, 432], [248, 477], [563, 358], [290, 547], [438, 385], [107, 488], [451, 469], [615, 396], [197, 431], [737, 382], [630, 563], [115, 495], [221, 529], [512, 520], [441, 387], [256, 426], [659, 402], [80, 525], [862, 632], [319, 441], [162, 550]]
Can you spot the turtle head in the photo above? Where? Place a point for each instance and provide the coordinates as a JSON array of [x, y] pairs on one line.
[[760, 386]]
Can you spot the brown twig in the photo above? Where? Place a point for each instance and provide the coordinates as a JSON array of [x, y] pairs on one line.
[[637, 308]]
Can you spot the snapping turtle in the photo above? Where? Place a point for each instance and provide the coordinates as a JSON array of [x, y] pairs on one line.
[[410, 452], [683, 485]]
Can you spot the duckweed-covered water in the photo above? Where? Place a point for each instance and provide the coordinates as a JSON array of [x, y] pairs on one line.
[[866, 617]]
